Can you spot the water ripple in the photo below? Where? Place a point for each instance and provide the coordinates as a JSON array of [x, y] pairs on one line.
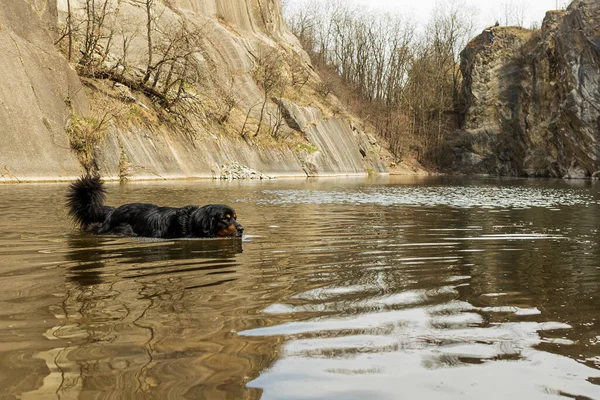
[[454, 196], [341, 289]]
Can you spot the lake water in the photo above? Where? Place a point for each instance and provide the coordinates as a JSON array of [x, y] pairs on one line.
[[379, 288]]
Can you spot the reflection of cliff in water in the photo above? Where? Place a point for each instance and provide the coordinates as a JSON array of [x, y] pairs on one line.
[[136, 312]]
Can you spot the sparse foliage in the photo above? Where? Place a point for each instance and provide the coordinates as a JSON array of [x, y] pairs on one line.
[[406, 87], [270, 77], [85, 133], [173, 64]]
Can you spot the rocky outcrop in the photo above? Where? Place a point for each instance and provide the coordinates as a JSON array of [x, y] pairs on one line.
[[44, 96], [236, 171], [532, 99]]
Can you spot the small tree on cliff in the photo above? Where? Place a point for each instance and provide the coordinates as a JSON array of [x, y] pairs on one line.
[[269, 75], [173, 62], [177, 60], [67, 32], [97, 33], [148, 7]]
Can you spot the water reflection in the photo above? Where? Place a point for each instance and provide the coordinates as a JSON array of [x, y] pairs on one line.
[[134, 311], [89, 253], [345, 289]]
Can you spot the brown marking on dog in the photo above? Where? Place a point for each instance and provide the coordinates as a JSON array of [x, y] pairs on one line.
[[229, 231]]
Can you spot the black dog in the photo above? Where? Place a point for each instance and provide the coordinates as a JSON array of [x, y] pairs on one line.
[[86, 206]]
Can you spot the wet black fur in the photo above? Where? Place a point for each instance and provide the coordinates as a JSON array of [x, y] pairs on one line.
[[85, 201]]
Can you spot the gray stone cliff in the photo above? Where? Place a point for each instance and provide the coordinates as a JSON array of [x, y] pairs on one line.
[[532, 99]]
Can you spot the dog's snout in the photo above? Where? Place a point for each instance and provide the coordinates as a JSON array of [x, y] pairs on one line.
[[240, 228]]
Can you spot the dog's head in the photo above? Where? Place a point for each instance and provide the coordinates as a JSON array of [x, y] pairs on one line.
[[216, 220]]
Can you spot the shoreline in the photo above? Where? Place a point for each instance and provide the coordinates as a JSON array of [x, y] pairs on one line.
[[391, 173], [203, 177], [403, 169]]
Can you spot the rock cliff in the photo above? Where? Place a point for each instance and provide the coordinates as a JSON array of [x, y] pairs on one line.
[[37, 92], [532, 99], [47, 110]]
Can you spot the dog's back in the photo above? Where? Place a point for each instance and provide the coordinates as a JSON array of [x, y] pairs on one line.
[[144, 219]]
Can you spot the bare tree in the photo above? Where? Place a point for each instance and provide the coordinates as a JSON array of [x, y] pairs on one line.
[[277, 118], [148, 7], [96, 12], [227, 103], [248, 113], [511, 12], [176, 62], [67, 32], [299, 73], [268, 74], [408, 89], [69, 29], [127, 30]]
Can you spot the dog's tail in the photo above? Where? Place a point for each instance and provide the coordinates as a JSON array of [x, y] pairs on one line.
[[85, 201]]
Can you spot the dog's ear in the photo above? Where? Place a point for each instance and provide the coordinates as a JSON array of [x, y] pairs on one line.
[[206, 221]]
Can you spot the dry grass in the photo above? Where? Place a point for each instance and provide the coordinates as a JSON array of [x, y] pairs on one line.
[[85, 133]]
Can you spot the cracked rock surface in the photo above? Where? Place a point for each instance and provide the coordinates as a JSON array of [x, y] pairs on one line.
[[533, 99]]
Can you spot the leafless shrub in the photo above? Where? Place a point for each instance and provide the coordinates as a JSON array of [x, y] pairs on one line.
[[174, 63], [300, 75], [270, 77]]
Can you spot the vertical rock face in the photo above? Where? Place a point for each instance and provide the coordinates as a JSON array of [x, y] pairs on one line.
[[533, 99], [41, 93], [491, 141], [236, 33], [37, 92]]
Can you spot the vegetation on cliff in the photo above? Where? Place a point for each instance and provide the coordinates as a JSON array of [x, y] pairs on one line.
[[403, 82], [198, 74]]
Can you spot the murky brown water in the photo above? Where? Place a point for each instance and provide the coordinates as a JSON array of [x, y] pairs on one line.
[[385, 288]]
